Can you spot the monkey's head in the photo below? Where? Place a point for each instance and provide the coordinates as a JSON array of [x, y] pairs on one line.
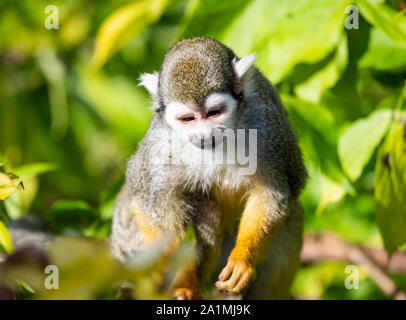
[[198, 89]]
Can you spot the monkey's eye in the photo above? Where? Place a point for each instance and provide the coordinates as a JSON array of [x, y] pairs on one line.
[[213, 113], [187, 119]]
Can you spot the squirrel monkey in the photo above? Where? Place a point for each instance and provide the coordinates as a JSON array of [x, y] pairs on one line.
[[201, 91]]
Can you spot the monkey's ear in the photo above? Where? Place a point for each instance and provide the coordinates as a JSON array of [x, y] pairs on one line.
[[241, 66], [150, 82]]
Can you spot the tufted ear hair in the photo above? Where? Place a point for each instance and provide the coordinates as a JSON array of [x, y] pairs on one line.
[[150, 82], [242, 66]]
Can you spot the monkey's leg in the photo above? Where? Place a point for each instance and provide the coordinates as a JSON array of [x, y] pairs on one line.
[[133, 231], [253, 236], [207, 226], [185, 285], [206, 223]]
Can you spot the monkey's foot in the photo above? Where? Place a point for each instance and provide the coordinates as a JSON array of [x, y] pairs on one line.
[[235, 276], [185, 285], [185, 294]]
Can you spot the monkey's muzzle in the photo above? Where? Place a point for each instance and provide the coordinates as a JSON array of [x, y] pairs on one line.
[[203, 143]]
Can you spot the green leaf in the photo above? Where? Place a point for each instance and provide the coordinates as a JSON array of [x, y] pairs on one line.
[[325, 125], [318, 139], [9, 182], [123, 24], [13, 206], [390, 187], [384, 18], [313, 88], [74, 214], [219, 13], [5, 240], [273, 31], [331, 192], [34, 169], [359, 141], [383, 53], [271, 27]]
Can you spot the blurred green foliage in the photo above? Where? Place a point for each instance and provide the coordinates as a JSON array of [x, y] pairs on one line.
[[71, 112]]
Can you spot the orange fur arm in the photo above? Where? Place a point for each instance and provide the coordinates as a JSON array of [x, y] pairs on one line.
[[253, 230]]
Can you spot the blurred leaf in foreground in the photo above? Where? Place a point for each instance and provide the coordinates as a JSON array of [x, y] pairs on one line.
[[390, 187], [358, 143], [5, 240]]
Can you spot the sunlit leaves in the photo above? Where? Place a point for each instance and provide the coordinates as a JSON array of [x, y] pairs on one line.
[[359, 141], [387, 44], [267, 26], [122, 24], [390, 187], [384, 53], [313, 88], [219, 13], [331, 192], [317, 138], [384, 18]]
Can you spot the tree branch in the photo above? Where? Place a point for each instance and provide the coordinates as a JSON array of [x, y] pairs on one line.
[[328, 246]]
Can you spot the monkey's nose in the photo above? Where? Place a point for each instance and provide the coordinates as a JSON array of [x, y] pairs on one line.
[[203, 143]]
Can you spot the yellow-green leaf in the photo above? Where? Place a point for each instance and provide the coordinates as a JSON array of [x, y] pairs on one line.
[[390, 187], [331, 192], [9, 182], [5, 239], [358, 143], [122, 24]]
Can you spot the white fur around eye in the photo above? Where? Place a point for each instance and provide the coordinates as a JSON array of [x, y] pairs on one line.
[[218, 99], [172, 112]]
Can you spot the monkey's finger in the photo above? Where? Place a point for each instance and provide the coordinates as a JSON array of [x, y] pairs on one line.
[[235, 277], [225, 273], [232, 282], [242, 283]]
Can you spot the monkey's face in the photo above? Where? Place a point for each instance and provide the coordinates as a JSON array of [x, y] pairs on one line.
[[198, 90], [202, 125]]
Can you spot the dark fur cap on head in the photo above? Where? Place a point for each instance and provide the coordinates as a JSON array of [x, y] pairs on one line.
[[194, 68]]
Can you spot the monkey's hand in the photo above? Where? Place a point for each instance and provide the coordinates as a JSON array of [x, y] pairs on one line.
[[236, 275]]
